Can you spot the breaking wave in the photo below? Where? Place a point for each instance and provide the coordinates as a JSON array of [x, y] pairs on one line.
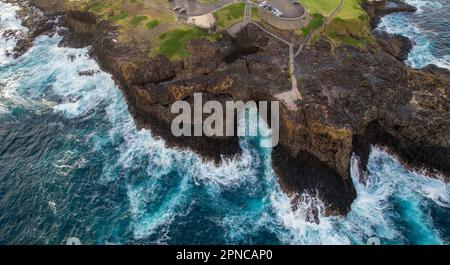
[[74, 164], [428, 29]]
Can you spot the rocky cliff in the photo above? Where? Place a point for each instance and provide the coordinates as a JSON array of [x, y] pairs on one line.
[[353, 98]]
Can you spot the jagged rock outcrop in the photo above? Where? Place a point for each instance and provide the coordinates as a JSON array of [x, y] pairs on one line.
[[396, 45], [368, 91], [227, 70]]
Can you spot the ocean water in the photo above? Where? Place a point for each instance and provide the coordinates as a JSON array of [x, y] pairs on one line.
[[429, 30], [73, 164]]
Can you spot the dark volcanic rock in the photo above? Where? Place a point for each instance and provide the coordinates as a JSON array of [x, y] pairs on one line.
[[381, 101], [36, 22], [88, 72], [10, 34], [396, 45], [222, 71]]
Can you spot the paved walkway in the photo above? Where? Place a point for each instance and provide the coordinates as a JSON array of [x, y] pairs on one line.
[[248, 11], [313, 32], [234, 29], [288, 98]]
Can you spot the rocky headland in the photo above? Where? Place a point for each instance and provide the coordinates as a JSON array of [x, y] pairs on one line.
[[353, 98]]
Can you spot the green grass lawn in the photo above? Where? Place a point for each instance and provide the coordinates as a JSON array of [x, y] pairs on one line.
[[255, 14], [208, 1], [97, 7], [150, 24], [322, 7], [137, 20], [120, 16], [350, 25], [173, 43], [315, 23], [153, 23], [351, 10], [229, 15]]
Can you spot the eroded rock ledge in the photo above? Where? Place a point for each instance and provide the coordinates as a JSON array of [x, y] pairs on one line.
[[353, 98]]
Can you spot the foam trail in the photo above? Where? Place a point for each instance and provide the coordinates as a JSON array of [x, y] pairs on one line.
[[8, 21], [391, 205], [389, 184]]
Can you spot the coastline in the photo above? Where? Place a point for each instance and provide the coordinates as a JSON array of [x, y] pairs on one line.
[[135, 86], [429, 39]]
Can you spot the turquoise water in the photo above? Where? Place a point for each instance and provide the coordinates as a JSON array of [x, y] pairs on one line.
[[72, 163]]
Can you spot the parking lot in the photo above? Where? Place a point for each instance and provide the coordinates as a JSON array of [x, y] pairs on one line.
[[287, 8]]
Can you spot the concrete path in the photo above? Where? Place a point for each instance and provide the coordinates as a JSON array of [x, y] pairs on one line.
[[234, 29], [288, 98], [248, 11], [206, 21], [295, 92], [313, 32]]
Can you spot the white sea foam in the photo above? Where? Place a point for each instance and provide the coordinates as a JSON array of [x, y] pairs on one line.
[[422, 4], [8, 21], [421, 53], [232, 174], [372, 213], [85, 95]]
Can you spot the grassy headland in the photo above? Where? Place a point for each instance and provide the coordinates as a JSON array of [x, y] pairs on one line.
[[350, 25], [150, 25]]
